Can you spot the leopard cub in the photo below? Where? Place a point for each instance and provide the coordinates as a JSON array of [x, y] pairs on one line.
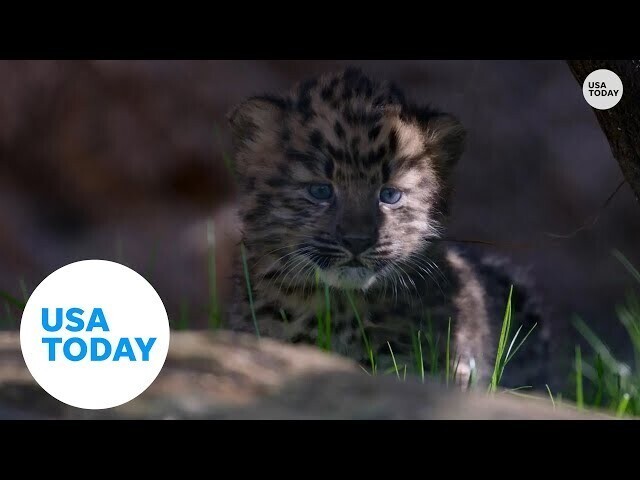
[[344, 194]]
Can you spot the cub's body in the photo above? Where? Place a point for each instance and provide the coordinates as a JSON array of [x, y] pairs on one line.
[[345, 189]]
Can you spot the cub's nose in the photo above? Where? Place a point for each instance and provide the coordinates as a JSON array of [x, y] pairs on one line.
[[357, 244]]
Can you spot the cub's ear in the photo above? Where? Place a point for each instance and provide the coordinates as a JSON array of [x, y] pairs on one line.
[[255, 121], [445, 137]]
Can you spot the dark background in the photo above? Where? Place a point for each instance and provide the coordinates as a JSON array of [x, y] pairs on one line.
[[124, 160]]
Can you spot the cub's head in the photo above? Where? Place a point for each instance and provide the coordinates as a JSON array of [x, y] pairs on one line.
[[343, 177]]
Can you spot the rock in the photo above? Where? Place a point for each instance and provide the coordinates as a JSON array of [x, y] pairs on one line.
[[227, 375]]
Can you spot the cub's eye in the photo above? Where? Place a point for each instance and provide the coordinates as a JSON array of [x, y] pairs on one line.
[[390, 195], [320, 191]]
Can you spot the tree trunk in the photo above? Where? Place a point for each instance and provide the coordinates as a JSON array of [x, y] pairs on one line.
[[621, 124]]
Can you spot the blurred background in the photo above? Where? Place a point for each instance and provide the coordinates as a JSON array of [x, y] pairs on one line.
[[125, 161]]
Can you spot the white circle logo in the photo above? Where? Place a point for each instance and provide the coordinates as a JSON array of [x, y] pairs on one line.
[[602, 89], [94, 334]]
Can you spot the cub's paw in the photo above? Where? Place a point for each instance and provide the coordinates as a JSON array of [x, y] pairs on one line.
[[467, 373]]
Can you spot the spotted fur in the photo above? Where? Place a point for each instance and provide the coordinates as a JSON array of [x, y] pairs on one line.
[[358, 136]]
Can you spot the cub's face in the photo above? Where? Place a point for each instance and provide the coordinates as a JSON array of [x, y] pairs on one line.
[[342, 178]]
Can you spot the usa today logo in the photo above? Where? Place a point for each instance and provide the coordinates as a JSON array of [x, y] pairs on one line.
[[602, 89], [94, 334]]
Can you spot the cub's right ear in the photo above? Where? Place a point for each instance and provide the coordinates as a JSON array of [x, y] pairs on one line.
[[256, 121]]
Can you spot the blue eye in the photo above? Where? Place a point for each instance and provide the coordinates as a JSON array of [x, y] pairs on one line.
[[321, 191], [390, 195]]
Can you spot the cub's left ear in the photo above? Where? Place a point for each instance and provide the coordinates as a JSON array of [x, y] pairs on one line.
[[255, 120], [445, 136]]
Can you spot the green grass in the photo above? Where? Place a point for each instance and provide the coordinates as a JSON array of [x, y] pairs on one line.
[[602, 380], [426, 344], [622, 406], [323, 316], [283, 315], [243, 253], [214, 313], [12, 301], [183, 318], [363, 333], [505, 353], [13, 306], [417, 353], [226, 158], [498, 369], [433, 340], [616, 389], [579, 389], [395, 365], [550, 396]]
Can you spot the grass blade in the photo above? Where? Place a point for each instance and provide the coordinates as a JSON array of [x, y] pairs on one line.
[[327, 318], [249, 291], [629, 316], [509, 357], [9, 319], [395, 365], [183, 319], [228, 163], [622, 407], [23, 289], [517, 389], [599, 367], [319, 313], [598, 346], [579, 391], [415, 351], [550, 396], [13, 301], [214, 309], [151, 262], [513, 341], [627, 264], [432, 345], [362, 332], [283, 314], [433, 351], [323, 316], [226, 158], [502, 342], [455, 368]]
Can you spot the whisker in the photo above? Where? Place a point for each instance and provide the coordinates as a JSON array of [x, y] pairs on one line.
[[306, 282], [395, 278], [425, 268], [268, 269], [303, 266], [300, 260], [273, 251], [284, 268], [422, 256]]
